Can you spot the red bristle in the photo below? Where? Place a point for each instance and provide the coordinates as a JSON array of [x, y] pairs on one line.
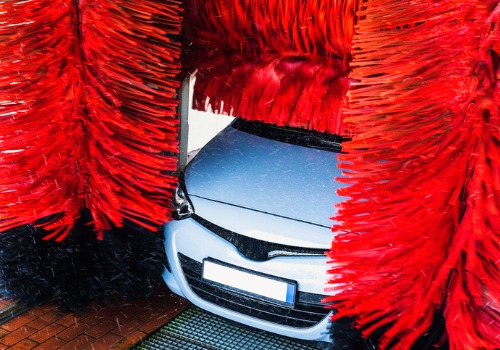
[[282, 62], [422, 212], [88, 104]]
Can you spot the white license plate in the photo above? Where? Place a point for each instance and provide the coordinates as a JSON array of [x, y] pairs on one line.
[[250, 282]]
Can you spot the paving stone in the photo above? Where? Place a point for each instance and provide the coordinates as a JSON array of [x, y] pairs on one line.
[[73, 331], [25, 344], [51, 344], [155, 323], [17, 335], [67, 320], [129, 341], [18, 322], [101, 329], [152, 325], [127, 327], [47, 332], [81, 342], [3, 332], [38, 323], [106, 342], [42, 309], [96, 315], [51, 316]]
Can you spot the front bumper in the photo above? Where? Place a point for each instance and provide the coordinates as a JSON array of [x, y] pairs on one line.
[[188, 243]]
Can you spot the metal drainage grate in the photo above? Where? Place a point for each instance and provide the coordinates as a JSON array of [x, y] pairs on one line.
[[195, 329]]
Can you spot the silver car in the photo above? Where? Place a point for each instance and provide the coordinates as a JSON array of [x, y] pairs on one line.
[[252, 225]]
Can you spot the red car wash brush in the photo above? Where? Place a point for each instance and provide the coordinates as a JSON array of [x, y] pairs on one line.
[[422, 212], [88, 137], [281, 62]]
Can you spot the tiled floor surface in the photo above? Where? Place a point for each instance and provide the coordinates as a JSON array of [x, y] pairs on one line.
[[4, 303], [97, 328]]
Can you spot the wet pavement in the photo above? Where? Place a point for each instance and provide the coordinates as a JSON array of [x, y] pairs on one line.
[[96, 328], [163, 321]]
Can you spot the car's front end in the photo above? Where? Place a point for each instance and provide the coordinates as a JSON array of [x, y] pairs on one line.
[[251, 231]]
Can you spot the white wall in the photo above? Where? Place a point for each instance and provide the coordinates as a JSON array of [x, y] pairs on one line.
[[201, 126]]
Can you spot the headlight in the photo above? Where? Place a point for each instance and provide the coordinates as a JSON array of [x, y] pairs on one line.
[[182, 205]]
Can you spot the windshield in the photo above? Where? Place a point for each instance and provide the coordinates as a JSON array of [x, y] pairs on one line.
[[296, 136]]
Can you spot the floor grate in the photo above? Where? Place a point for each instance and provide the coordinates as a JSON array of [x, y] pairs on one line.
[[195, 329]]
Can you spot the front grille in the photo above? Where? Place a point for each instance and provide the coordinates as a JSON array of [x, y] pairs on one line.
[[307, 312]]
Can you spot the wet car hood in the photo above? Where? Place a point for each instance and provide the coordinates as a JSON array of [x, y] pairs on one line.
[[270, 176]]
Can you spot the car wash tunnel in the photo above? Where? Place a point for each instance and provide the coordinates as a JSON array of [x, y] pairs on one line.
[[258, 174]]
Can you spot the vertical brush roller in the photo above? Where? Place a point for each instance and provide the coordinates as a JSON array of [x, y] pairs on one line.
[[88, 139], [422, 212]]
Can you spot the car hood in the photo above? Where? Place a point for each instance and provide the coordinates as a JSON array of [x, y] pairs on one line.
[[249, 171]]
